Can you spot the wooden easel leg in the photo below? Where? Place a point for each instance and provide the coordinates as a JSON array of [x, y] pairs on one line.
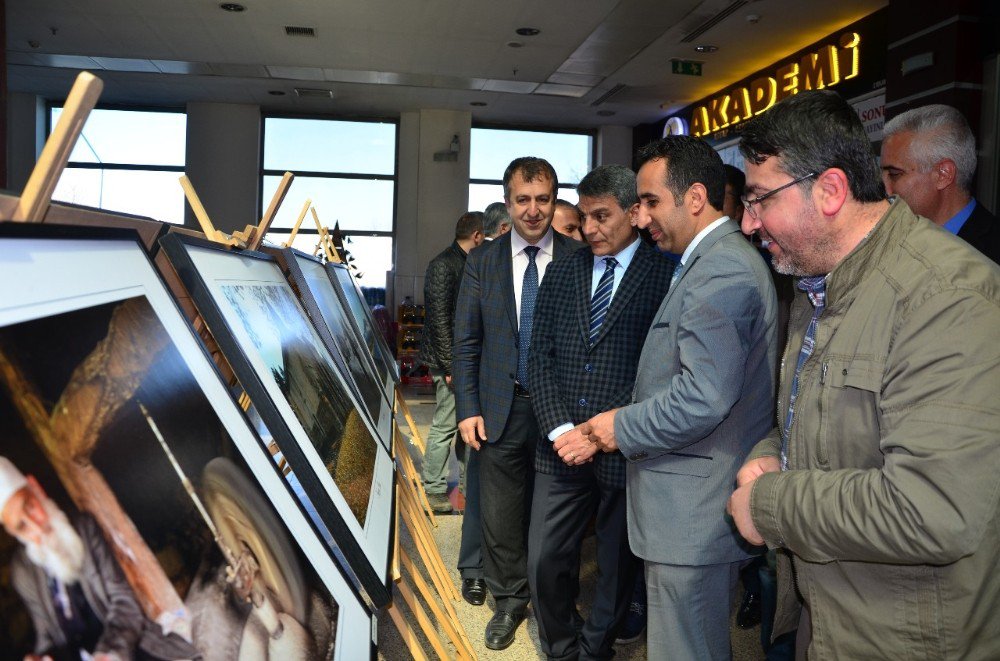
[[425, 623], [412, 477], [405, 408], [421, 533], [452, 628], [406, 633]]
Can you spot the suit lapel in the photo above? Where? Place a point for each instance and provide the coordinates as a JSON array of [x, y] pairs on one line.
[[505, 265], [704, 246], [584, 281], [627, 288]]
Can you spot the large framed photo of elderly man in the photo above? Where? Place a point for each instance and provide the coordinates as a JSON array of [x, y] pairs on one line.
[[142, 516]]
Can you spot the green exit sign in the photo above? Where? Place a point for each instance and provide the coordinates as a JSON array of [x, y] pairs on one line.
[[685, 67]]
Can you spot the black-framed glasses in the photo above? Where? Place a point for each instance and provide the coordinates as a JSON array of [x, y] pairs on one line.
[[760, 198]]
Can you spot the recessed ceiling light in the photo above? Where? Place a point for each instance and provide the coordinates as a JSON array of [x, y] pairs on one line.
[[706, 48], [606, 113], [478, 104], [527, 32], [514, 44], [276, 92], [232, 6]]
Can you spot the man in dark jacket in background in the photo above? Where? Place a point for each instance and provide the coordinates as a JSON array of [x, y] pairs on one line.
[[444, 274]]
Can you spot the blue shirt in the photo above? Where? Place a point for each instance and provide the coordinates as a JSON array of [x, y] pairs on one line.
[[954, 224], [624, 259]]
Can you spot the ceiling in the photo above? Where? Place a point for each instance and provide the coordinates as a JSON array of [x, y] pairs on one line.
[[594, 62]]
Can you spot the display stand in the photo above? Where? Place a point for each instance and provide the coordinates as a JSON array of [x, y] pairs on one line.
[[401, 405], [251, 236], [298, 223]]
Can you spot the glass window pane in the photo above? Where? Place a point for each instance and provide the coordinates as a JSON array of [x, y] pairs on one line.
[[357, 204], [130, 137], [492, 150], [157, 195], [372, 254], [307, 243], [323, 145]]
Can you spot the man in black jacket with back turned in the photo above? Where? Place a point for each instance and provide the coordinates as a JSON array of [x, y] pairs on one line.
[[444, 274]]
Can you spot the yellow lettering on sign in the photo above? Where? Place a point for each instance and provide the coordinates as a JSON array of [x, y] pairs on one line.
[[815, 71]]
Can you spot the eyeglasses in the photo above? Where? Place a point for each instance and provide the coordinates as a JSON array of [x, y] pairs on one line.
[[760, 198]]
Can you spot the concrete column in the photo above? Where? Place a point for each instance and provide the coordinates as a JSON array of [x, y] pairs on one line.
[[223, 163], [614, 146], [25, 137]]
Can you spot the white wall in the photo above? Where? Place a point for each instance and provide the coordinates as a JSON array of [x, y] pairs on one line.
[[223, 163]]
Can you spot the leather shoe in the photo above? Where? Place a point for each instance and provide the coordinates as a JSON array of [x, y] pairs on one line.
[[500, 630], [748, 615], [474, 591]]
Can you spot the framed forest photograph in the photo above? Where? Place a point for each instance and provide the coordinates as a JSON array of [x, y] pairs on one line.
[[317, 424], [142, 514]]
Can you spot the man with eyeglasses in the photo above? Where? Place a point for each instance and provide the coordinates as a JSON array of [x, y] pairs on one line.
[[879, 483], [703, 392]]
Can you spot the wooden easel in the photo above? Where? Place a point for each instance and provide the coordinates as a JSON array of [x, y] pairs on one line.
[[298, 223], [402, 406], [37, 194], [251, 236]]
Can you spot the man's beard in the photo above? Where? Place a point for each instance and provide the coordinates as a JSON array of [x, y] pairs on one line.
[[60, 552]]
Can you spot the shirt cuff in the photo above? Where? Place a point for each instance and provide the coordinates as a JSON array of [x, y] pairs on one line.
[[560, 430]]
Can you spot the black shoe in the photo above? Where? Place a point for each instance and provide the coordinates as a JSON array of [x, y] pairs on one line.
[[500, 630], [634, 625], [439, 503], [474, 591], [748, 615]]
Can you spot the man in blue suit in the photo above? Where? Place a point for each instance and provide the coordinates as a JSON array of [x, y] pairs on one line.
[[704, 392], [493, 322], [593, 312]]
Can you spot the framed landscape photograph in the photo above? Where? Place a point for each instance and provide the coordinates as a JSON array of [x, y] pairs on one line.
[[170, 531], [293, 382], [335, 326]]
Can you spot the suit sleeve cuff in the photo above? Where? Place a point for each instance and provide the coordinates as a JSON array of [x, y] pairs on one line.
[[560, 430]]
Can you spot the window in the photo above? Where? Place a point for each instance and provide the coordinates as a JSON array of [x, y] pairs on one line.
[[492, 150], [127, 161], [348, 170]]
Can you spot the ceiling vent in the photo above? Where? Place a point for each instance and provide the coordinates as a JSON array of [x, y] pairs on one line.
[[313, 93], [712, 21], [293, 31], [604, 98]]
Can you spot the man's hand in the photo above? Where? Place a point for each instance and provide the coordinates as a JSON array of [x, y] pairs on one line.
[[754, 468], [447, 380], [574, 447], [601, 429], [473, 430], [738, 507]]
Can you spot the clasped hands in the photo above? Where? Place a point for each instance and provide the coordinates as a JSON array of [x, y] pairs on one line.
[[579, 445], [738, 506]]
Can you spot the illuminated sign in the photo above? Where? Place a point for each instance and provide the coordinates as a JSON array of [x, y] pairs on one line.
[[814, 71], [675, 126]]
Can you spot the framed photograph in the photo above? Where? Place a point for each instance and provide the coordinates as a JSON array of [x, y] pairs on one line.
[[335, 326], [369, 332], [293, 382], [143, 515]]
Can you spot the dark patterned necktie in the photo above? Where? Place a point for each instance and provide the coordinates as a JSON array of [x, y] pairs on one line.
[[601, 301], [529, 291]]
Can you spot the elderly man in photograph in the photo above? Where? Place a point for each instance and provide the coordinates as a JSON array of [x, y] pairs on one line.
[[703, 392], [80, 604], [879, 484]]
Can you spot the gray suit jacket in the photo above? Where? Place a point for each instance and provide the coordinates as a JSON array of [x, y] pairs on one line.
[[484, 351], [704, 395]]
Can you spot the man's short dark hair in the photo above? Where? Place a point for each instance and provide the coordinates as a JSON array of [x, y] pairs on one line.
[[495, 216], [566, 204], [615, 180], [470, 223], [531, 168], [812, 132], [690, 161], [735, 179]]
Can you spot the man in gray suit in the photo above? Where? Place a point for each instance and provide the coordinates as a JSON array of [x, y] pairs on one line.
[[704, 392], [493, 321]]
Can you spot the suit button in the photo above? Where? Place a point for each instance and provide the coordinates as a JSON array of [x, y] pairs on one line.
[[636, 456], [583, 402], [588, 367], [511, 375]]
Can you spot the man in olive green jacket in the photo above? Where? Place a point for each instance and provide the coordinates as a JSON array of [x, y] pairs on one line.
[[881, 480]]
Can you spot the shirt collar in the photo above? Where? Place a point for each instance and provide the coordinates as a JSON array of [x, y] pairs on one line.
[[518, 244], [624, 256], [954, 224], [699, 236]]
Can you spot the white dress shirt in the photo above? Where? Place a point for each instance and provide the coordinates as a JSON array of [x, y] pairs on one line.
[[519, 261]]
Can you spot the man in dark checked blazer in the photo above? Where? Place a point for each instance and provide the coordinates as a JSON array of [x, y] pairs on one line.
[[493, 320], [592, 316]]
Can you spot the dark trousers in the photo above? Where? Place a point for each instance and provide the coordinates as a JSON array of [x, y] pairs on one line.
[[470, 550], [562, 507], [506, 473]]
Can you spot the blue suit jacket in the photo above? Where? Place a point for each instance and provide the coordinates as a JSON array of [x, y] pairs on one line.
[[484, 351], [704, 395], [572, 380]]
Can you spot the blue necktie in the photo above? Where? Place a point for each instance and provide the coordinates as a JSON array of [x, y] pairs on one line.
[[676, 276], [529, 291], [601, 301]]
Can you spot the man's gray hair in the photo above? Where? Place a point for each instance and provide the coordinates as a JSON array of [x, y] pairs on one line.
[[494, 216], [940, 132], [615, 180]]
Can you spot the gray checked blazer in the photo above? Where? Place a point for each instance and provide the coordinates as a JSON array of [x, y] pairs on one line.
[[704, 396], [484, 352], [572, 381]]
